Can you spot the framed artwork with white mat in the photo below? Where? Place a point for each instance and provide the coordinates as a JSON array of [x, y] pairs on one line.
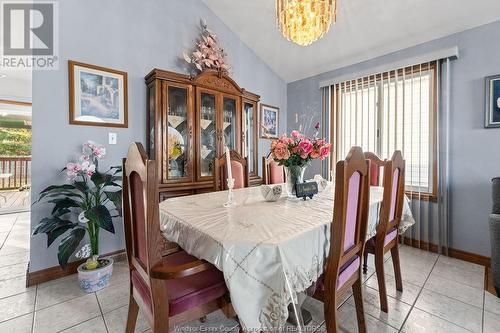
[[269, 121], [97, 96]]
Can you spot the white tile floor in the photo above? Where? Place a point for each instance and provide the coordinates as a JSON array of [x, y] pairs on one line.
[[441, 294]]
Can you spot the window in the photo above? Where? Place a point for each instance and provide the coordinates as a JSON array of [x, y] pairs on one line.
[[391, 111]]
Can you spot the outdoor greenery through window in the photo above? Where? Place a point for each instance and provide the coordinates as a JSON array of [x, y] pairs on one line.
[[15, 130], [15, 147], [391, 111]]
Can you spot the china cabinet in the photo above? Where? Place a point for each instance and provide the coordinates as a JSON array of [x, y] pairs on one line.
[[190, 120]]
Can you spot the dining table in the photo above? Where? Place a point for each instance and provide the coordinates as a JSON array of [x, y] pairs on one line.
[[269, 252]]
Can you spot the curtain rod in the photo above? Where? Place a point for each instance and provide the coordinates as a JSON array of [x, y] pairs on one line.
[[450, 53]]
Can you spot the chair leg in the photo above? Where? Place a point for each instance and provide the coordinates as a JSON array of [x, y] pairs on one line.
[[330, 306], [160, 325], [358, 301], [365, 262], [133, 311], [379, 269], [397, 267]]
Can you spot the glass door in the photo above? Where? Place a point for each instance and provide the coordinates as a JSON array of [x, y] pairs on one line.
[[207, 127], [179, 131], [230, 123], [249, 143]]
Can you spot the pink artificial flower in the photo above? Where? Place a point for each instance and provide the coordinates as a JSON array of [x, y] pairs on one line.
[[90, 170], [83, 158], [324, 151], [320, 142], [99, 152], [281, 151], [295, 134], [273, 144], [72, 170], [314, 154], [305, 148], [285, 140], [73, 167]]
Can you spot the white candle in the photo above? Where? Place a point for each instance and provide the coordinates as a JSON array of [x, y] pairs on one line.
[[228, 164]]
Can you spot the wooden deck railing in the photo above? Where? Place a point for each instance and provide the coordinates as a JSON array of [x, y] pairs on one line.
[[19, 169]]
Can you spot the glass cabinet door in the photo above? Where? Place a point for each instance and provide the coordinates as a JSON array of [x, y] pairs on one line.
[[249, 131], [207, 108], [178, 135], [230, 122]]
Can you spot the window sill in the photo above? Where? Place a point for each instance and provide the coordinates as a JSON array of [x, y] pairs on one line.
[[431, 197]]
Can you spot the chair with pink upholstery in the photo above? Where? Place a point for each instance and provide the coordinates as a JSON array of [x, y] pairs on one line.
[[387, 229], [239, 168], [375, 164], [272, 173], [169, 289], [348, 232]]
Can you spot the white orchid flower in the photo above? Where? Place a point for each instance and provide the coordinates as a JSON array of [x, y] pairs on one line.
[[82, 218]]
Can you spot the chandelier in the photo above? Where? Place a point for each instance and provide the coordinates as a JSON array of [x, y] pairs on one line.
[[305, 21]]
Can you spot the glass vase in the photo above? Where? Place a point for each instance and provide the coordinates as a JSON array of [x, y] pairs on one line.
[[293, 174]]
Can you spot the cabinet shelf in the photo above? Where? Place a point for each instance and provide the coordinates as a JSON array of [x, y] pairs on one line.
[[175, 121]]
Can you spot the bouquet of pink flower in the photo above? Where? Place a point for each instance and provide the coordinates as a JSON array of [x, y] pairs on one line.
[[298, 150]]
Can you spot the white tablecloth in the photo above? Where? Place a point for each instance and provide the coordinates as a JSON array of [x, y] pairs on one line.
[[267, 250]]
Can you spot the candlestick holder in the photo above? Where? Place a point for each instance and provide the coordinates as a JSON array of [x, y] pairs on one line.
[[230, 186]]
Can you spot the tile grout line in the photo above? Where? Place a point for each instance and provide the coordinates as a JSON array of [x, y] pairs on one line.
[[484, 301], [419, 293], [67, 328], [34, 307], [444, 319], [453, 298], [102, 313], [8, 232]]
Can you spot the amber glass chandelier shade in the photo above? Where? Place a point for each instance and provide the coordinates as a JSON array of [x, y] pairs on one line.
[[305, 21]]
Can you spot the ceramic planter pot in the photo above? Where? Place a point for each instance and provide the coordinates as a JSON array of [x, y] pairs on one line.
[[96, 279]]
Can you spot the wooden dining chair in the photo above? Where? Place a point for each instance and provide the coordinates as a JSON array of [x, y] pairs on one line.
[[347, 242], [171, 289], [272, 172], [375, 164], [239, 168], [387, 235]]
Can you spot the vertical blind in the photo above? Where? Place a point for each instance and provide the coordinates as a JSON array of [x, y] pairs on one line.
[[384, 112]]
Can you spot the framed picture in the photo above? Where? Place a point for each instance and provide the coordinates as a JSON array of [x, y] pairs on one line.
[[269, 121], [492, 112], [97, 96]]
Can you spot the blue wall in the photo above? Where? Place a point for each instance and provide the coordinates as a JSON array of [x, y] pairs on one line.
[[474, 152], [135, 38]]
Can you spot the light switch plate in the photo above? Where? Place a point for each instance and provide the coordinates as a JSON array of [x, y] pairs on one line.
[[112, 138]]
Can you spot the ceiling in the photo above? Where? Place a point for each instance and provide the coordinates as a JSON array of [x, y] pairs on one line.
[[365, 29]]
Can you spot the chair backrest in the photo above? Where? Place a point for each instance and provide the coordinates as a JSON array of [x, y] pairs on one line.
[[391, 209], [272, 172], [350, 213], [239, 168], [376, 164], [141, 211]]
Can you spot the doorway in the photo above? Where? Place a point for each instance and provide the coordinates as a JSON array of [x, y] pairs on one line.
[[15, 142]]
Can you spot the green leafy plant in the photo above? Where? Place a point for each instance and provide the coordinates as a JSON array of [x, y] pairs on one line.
[[92, 196]]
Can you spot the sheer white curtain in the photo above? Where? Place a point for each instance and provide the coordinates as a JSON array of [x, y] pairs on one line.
[[400, 109]]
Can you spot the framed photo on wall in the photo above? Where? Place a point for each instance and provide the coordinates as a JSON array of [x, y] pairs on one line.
[[269, 121], [97, 96], [492, 112]]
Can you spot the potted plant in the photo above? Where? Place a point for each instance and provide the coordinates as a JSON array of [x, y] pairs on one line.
[[87, 203], [295, 153]]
